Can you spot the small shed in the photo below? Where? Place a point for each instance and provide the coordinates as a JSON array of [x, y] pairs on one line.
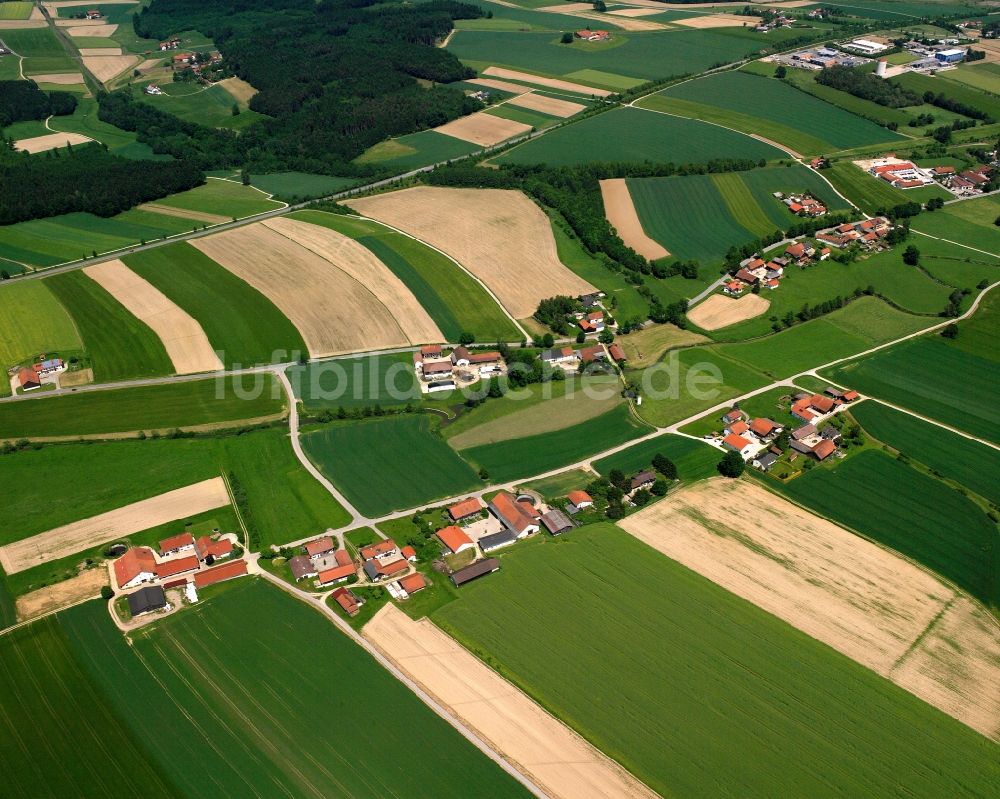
[[474, 571], [146, 600], [557, 522]]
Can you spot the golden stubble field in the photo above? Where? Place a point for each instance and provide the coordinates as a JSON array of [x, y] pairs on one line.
[[500, 236], [718, 310], [620, 212]]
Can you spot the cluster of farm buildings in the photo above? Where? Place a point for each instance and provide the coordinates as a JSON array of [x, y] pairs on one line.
[[588, 35], [755, 271], [182, 561], [903, 174], [43, 371], [441, 371], [755, 439]]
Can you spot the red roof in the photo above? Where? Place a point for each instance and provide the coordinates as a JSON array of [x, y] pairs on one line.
[[796, 250], [133, 563], [763, 427], [617, 352], [336, 573], [736, 442], [512, 513], [205, 546], [739, 428], [394, 567], [413, 583], [319, 546], [453, 537], [217, 574], [850, 396], [343, 558], [484, 357], [821, 403], [588, 354], [377, 549], [346, 600], [579, 497], [431, 350], [28, 376], [824, 448], [530, 509], [794, 208], [408, 552], [177, 566], [466, 507]]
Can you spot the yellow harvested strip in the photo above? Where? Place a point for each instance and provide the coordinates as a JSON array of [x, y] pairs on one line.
[[620, 211], [50, 141], [500, 85], [562, 763], [483, 128], [551, 83], [721, 311], [187, 345], [183, 213], [76, 536], [547, 105], [67, 78], [107, 67], [719, 21]]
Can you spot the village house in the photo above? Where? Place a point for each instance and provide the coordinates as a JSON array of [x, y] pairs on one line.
[[733, 288], [319, 548], [641, 481], [337, 574], [513, 514], [588, 35], [176, 543], [557, 356], [348, 600], [302, 567], [207, 548], [413, 583], [28, 379], [764, 461], [170, 44], [137, 565], [764, 429], [737, 428], [376, 571], [94, 14], [465, 509], [182, 60], [617, 353], [454, 539], [49, 366], [381, 549], [487, 362], [409, 553], [593, 322], [733, 416], [591, 354], [580, 499], [738, 443]]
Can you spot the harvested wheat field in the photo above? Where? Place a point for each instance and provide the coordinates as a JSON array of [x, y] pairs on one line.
[[71, 538], [621, 213], [21, 24], [50, 141], [718, 21], [562, 763], [184, 213], [500, 236], [567, 8], [104, 68], [335, 312], [86, 585], [500, 85], [625, 23], [956, 667], [183, 337], [100, 51], [239, 89], [483, 129], [635, 12], [60, 78], [721, 311], [104, 30], [547, 105], [551, 83]]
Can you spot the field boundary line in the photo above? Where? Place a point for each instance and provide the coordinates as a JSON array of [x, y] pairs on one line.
[[235, 506], [923, 634], [929, 420]]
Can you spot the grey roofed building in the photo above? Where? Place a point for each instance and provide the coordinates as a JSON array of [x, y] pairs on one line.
[[836, 393], [147, 599], [371, 569], [798, 446], [830, 433], [765, 461], [496, 540], [804, 432], [641, 479], [477, 569], [302, 566], [556, 522]]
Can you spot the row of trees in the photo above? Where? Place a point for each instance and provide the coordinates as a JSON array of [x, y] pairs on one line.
[[22, 100], [867, 86]]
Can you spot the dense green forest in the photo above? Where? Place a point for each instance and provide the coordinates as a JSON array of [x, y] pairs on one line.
[[868, 87], [21, 100], [334, 77], [85, 178]]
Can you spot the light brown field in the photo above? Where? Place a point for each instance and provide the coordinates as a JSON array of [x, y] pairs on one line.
[[66, 22], [991, 47], [562, 763], [184, 213], [36, 14], [105, 527], [538, 80], [865, 601], [567, 8], [334, 311], [500, 236], [482, 128], [104, 29], [500, 85], [104, 68], [50, 141], [77, 377], [547, 105], [239, 89], [61, 78], [183, 337], [621, 213], [85, 585], [100, 51], [720, 311], [635, 12], [956, 667], [625, 23], [719, 21], [21, 24], [646, 347]]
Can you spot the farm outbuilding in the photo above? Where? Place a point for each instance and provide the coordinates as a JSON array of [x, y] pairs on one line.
[[474, 571], [146, 600]]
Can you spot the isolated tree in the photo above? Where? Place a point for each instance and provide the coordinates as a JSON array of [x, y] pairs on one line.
[[606, 336], [600, 5], [665, 466], [951, 331], [780, 72], [548, 340], [466, 339], [642, 497], [581, 337], [484, 475], [659, 488], [235, 109], [911, 256], [731, 465], [567, 38], [107, 592]]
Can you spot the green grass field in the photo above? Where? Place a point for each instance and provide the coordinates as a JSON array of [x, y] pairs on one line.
[[911, 512], [387, 380], [696, 691], [373, 461], [161, 407], [284, 499], [210, 106], [33, 321], [873, 195], [223, 197], [968, 462], [976, 76], [694, 460], [454, 300], [239, 321], [121, 142], [969, 222], [40, 43], [534, 454], [9, 69], [261, 693], [62, 736], [15, 10], [295, 186], [631, 134], [415, 150], [767, 404], [119, 346], [58, 239], [770, 108], [968, 95]]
